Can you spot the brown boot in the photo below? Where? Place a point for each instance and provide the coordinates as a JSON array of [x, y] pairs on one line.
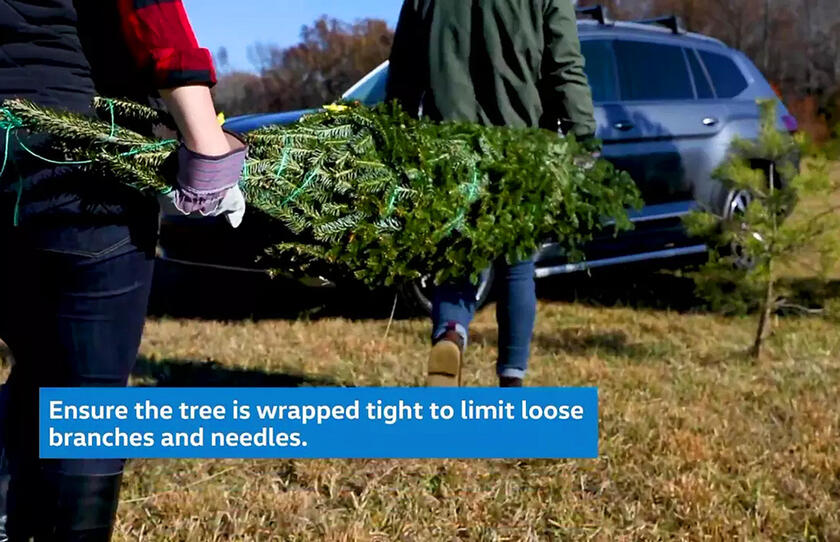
[[445, 361]]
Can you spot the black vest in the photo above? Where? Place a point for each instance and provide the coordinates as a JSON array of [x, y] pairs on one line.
[[60, 53]]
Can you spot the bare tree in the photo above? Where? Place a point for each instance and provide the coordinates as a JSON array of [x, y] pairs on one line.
[[331, 57]]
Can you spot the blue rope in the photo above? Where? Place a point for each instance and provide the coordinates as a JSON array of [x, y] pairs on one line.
[[47, 160], [299, 189], [113, 123], [10, 122], [472, 194], [284, 159], [149, 147], [392, 202], [282, 167], [6, 150], [16, 213]]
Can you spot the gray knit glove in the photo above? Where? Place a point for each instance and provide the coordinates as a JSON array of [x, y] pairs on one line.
[[208, 185]]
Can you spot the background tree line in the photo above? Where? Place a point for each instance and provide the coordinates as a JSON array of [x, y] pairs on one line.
[[795, 43], [331, 56]]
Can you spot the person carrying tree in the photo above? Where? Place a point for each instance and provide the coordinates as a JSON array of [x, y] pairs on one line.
[[77, 249], [493, 62]]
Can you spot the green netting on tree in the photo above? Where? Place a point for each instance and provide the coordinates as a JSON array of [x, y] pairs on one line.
[[374, 193]]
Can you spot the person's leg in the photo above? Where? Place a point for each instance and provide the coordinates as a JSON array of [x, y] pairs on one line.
[[74, 287], [5, 301], [516, 314], [4, 468], [77, 322], [453, 308]]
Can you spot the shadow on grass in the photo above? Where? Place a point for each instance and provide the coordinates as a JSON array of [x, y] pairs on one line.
[[574, 341], [639, 286], [669, 289], [578, 342], [190, 292], [182, 291], [185, 374], [811, 293]]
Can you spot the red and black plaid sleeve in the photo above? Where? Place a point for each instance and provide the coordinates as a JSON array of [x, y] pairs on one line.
[[162, 40]]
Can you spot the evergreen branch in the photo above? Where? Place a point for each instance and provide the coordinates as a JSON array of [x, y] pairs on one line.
[[373, 193], [79, 129], [132, 113]]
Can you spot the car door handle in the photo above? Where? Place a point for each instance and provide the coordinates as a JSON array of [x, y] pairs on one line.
[[710, 121], [624, 125]]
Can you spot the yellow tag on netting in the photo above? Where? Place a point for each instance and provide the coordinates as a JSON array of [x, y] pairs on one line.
[[336, 108], [221, 118]]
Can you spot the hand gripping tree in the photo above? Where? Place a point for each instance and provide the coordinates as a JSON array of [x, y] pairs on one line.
[[751, 247]]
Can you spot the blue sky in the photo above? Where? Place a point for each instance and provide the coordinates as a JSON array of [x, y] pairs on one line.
[[240, 23]]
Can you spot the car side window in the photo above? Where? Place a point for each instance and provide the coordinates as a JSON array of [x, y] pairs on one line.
[[600, 69], [701, 81], [652, 71], [726, 76]]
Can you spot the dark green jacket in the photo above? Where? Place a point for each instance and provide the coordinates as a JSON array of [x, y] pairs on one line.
[[494, 62]]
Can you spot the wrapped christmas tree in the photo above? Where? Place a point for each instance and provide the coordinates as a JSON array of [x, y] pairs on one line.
[[372, 192]]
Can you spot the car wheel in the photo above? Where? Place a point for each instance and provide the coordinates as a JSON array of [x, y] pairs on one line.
[[418, 294], [736, 205]]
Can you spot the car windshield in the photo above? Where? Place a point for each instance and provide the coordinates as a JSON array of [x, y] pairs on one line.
[[371, 91]]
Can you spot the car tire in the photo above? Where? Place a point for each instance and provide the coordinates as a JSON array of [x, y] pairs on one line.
[[417, 295], [736, 203]]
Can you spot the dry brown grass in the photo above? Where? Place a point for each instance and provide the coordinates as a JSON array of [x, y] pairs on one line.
[[697, 441], [805, 210]]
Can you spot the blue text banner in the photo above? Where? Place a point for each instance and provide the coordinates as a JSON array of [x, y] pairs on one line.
[[101, 423]]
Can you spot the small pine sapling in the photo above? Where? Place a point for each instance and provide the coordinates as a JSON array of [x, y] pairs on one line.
[[752, 245]]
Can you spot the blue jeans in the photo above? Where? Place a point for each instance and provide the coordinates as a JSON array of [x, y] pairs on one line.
[[453, 307], [74, 286]]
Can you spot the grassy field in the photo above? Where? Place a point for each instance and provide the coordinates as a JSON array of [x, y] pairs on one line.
[[698, 442]]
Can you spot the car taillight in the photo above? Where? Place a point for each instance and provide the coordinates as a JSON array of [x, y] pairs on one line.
[[790, 122]]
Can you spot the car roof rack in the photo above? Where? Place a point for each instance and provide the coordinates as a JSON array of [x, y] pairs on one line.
[[598, 12], [671, 22]]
